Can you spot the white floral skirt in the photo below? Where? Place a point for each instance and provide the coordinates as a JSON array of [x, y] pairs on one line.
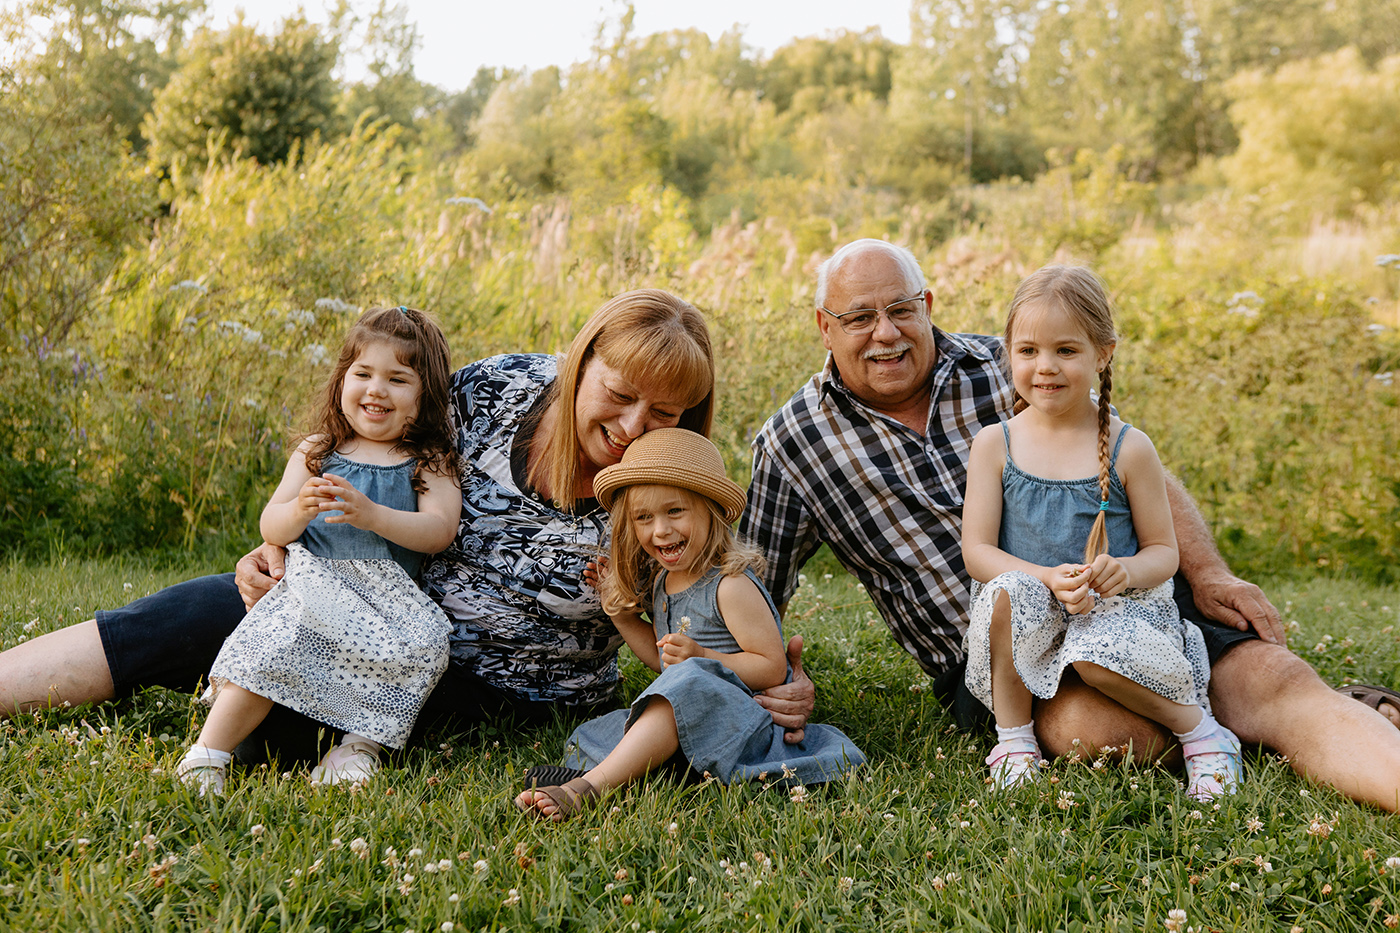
[[1138, 634], [354, 644]]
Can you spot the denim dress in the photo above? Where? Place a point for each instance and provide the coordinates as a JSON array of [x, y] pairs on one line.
[[1138, 633], [723, 731]]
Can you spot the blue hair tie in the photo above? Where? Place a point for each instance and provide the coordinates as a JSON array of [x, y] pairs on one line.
[[1103, 506], [403, 310]]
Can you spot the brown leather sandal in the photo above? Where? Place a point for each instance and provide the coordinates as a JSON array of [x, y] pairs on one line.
[[569, 798], [1371, 695]]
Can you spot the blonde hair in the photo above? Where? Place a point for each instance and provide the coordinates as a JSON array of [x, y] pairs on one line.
[[632, 573], [655, 340], [1080, 293]]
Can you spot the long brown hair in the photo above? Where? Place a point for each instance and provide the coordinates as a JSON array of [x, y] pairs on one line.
[[654, 339], [1080, 293], [418, 344], [632, 573]]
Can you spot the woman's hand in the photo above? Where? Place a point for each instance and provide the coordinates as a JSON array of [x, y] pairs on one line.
[[675, 648], [258, 571], [594, 571]]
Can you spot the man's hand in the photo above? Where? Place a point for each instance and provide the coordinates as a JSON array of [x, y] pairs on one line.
[[791, 704], [258, 571], [1227, 599]]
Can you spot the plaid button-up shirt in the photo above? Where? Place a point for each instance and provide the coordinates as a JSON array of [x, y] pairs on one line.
[[887, 500]]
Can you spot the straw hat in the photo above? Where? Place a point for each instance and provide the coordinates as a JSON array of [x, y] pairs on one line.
[[672, 457]]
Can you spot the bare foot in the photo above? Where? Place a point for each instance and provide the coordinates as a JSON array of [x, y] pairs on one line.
[[1389, 711], [559, 802]]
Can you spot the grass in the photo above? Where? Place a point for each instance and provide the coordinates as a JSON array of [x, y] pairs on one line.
[[95, 834]]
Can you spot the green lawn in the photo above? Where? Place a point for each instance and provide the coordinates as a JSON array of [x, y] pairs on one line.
[[96, 835]]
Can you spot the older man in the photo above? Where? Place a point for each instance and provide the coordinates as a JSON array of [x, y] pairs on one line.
[[869, 457]]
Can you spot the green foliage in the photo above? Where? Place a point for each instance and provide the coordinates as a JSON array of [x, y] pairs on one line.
[[99, 836], [238, 92], [1318, 134]]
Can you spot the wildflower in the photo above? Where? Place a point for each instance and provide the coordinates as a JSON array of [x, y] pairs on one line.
[[359, 847], [257, 829], [447, 926], [1254, 824], [1391, 920], [335, 304], [627, 900], [414, 853], [1393, 862], [1319, 827], [1176, 920], [335, 842], [1389, 259], [843, 884], [430, 868], [512, 898], [470, 202], [938, 882], [480, 866], [964, 824], [673, 828], [1326, 889], [620, 874], [1386, 378], [1234, 885], [444, 864], [798, 794]]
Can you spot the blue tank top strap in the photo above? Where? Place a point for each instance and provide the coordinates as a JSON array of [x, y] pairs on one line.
[[1118, 445], [1006, 436]]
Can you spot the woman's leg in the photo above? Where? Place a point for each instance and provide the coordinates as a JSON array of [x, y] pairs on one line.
[[649, 744], [66, 667]]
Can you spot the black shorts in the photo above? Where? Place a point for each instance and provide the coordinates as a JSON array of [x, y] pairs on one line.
[[968, 712]]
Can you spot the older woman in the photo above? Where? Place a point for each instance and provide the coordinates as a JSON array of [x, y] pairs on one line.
[[529, 636]]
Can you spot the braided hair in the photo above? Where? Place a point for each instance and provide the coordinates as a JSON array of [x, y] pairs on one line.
[[1079, 292]]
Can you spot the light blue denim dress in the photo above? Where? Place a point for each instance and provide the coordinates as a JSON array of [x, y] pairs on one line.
[[1138, 633], [723, 731]]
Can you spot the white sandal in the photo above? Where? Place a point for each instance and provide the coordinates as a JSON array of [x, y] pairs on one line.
[[201, 771], [1014, 762], [348, 762]]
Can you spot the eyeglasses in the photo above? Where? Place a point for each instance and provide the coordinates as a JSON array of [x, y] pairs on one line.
[[900, 313]]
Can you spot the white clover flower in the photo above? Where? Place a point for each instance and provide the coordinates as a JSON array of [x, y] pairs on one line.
[[257, 829], [480, 866], [359, 847], [1393, 862], [444, 864], [189, 285]]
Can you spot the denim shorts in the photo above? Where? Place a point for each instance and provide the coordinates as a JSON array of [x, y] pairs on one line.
[[969, 713]]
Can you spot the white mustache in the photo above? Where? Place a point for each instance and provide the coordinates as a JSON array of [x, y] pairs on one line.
[[881, 351]]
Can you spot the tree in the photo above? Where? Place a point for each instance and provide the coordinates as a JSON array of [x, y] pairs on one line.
[[238, 92], [111, 56]]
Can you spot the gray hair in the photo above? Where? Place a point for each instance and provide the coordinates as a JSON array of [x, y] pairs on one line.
[[913, 276]]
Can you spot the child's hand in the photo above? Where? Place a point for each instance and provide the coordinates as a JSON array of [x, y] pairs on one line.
[[312, 494], [355, 507], [675, 648], [1070, 585], [594, 571], [1107, 576]]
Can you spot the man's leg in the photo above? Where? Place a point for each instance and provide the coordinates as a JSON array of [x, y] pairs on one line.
[[66, 666], [1268, 695], [1080, 718]]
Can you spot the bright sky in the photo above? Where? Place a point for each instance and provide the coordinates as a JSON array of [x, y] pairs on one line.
[[458, 36]]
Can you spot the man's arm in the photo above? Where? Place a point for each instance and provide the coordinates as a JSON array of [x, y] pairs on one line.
[[1219, 594]]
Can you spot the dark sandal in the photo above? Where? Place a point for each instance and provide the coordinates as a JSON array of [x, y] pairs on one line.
[[583, 796], [1371, 695], [547, 775]]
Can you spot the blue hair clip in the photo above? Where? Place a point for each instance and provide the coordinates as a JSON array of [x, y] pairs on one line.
[[1103, 506]]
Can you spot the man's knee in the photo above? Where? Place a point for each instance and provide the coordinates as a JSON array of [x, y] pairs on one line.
[[1081, 720], [1257, 674]]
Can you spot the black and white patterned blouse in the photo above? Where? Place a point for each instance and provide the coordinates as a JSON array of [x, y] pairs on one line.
[[512, 581], [886, 499]]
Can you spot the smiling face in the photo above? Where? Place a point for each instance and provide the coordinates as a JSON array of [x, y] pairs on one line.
[[379, 394], [672, 526], [888, 368], [611, 412], [1054, 364]]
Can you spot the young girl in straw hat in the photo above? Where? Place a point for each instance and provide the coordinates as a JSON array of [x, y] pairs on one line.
[[714, 638]]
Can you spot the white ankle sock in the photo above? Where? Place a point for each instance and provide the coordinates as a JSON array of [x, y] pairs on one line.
[[1205, 727], [213, 754], [1017, 732]]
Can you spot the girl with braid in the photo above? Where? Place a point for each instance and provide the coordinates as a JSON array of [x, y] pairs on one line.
[[1068, 533]]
